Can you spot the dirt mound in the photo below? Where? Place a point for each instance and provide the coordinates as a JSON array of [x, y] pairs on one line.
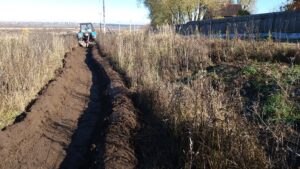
[[122, 123]]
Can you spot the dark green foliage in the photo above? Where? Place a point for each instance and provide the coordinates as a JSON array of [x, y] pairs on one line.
[[249, 70], [243, 12]]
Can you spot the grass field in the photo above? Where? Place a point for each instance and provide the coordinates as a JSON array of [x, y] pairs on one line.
[[228, 103]]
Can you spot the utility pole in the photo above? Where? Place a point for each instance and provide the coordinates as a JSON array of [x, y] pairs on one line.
[[104, 23], [100, 26]]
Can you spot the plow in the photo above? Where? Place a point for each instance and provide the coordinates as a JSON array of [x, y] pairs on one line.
[[86, 35]]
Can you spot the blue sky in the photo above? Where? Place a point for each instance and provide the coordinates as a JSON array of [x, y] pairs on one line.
[[265, 6], [117, 11]]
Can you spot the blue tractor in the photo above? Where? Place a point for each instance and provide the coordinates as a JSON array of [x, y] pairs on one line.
[[87, 35]]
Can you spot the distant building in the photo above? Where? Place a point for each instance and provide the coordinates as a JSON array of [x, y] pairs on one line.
[[230, 10]]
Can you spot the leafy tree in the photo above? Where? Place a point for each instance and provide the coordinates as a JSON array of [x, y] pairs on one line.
[[179, 11], [243, 13], [291, 5]]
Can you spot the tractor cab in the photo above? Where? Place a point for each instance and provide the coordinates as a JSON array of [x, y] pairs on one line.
[[87, 34], [88, 27]]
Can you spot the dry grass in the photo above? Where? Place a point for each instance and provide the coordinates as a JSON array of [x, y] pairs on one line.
[[28, 60], [196, 86]]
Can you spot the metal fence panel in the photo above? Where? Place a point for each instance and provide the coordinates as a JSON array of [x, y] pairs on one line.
[[285, 23]]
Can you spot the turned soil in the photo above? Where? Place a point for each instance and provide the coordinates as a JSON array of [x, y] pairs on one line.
[[82, 119]]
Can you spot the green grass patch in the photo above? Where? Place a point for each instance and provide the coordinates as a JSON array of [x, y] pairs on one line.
[[277, 108], [292, 75], [249, 70]]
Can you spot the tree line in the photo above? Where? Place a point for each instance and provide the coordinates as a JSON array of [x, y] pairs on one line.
[[174, 12]]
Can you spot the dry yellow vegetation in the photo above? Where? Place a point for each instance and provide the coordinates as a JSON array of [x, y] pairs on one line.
[[28, 60], [225, 102]]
